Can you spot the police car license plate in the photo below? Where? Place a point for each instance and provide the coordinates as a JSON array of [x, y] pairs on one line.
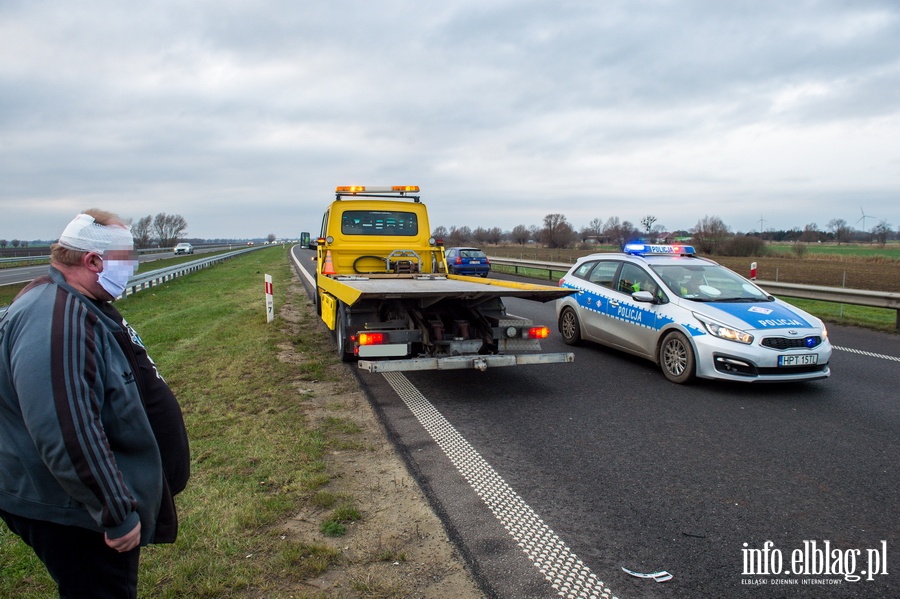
[[798, 360]]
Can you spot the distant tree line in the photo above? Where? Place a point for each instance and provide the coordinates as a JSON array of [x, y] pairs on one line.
[[161, 230], [710, 235]]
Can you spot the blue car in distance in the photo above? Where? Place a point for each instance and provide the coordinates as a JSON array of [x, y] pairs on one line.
[[467, 261]]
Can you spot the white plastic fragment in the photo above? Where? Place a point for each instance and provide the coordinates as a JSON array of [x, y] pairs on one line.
[[661, 576]]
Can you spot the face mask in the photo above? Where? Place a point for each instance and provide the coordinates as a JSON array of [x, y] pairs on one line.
[[115, 275]]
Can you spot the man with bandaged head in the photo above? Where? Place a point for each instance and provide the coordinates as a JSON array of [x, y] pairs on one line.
[[93, 446]]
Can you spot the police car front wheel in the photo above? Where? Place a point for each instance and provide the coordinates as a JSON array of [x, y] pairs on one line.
[[676, 357], [569, 327]]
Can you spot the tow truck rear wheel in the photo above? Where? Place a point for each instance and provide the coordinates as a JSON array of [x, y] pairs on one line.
[[569, 327], [676, 358], [340, 328], [318, 297]]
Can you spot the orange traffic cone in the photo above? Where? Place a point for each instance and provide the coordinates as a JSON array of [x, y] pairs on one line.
[[328, 267]]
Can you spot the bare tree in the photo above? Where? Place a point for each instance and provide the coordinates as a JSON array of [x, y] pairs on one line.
[[141, 231], [881, 232], [494, 235], [440, 233], [271, 237], [840, 229], [710, 234], [618, 232], [647, 223], [460, 236], [520, 234], [593, 229], [810, 233], [481, 235], [168, 228], [557, 232]]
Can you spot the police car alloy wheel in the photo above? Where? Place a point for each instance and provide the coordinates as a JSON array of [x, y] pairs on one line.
[[677, 358], [569, 327]]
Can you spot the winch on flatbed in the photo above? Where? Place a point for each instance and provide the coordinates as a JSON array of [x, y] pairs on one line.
[[383, 287]]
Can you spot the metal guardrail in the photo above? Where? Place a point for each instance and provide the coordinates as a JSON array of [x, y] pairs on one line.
[[840, 295], [15, 259], [162, 275], [45, 257]]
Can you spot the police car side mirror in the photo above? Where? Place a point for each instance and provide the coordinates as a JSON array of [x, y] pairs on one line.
[[643, 296]]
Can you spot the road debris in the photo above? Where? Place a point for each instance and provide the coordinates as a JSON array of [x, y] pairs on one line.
[[661, 576]]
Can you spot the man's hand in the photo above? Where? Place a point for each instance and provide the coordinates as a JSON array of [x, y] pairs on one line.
[[126, 543]]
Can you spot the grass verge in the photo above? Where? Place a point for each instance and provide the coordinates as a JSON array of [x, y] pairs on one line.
[[255, 458], [881, 319]]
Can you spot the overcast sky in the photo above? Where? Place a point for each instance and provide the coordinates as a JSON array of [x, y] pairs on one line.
[[243, 116]]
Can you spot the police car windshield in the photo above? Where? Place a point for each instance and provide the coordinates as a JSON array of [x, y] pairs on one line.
[[708, 283]]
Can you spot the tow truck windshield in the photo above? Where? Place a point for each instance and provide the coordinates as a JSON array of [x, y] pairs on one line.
[[380, 222]]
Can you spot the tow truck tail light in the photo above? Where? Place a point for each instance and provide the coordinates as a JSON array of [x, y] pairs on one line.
[[538, 333], [373, 338]]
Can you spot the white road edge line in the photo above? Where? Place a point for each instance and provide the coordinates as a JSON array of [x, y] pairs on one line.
[[866, 353], [562, 568]]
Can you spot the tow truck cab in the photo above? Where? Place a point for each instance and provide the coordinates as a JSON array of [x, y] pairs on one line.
[[378, 230]]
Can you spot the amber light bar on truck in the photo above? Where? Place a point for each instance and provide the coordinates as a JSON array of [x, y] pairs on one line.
[[370, 189]]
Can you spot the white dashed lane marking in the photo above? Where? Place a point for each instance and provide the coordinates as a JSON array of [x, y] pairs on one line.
[[866, 353], [562, 568]]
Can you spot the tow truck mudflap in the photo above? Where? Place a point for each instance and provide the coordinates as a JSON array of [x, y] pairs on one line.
[[476, 362]]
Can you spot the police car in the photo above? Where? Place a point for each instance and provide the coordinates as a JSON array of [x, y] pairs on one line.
[[690, 315]]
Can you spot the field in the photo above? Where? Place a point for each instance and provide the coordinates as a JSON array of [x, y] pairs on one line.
[[827, 271], [873, 271]]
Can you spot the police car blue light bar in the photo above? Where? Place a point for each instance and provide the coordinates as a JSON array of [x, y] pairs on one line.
[[648, 249]]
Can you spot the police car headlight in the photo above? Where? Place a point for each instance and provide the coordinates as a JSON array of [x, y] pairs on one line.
[[723, 332]]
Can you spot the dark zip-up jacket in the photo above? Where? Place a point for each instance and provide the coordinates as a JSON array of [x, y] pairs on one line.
[[90, 434]]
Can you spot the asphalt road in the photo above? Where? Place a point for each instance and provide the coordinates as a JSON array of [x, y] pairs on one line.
[[564, 474]]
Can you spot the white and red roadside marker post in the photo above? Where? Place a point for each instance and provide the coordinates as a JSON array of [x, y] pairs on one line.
[[270, 300], [753, 271]]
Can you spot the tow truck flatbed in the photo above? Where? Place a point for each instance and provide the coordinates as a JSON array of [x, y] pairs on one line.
[[352, 289]]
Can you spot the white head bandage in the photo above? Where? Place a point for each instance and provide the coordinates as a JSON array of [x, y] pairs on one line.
[[84, 234]]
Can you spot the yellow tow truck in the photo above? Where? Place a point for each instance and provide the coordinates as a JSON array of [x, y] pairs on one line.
[[383, 287]]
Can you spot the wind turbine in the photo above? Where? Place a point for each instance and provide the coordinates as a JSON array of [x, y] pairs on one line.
[[863, 218]]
